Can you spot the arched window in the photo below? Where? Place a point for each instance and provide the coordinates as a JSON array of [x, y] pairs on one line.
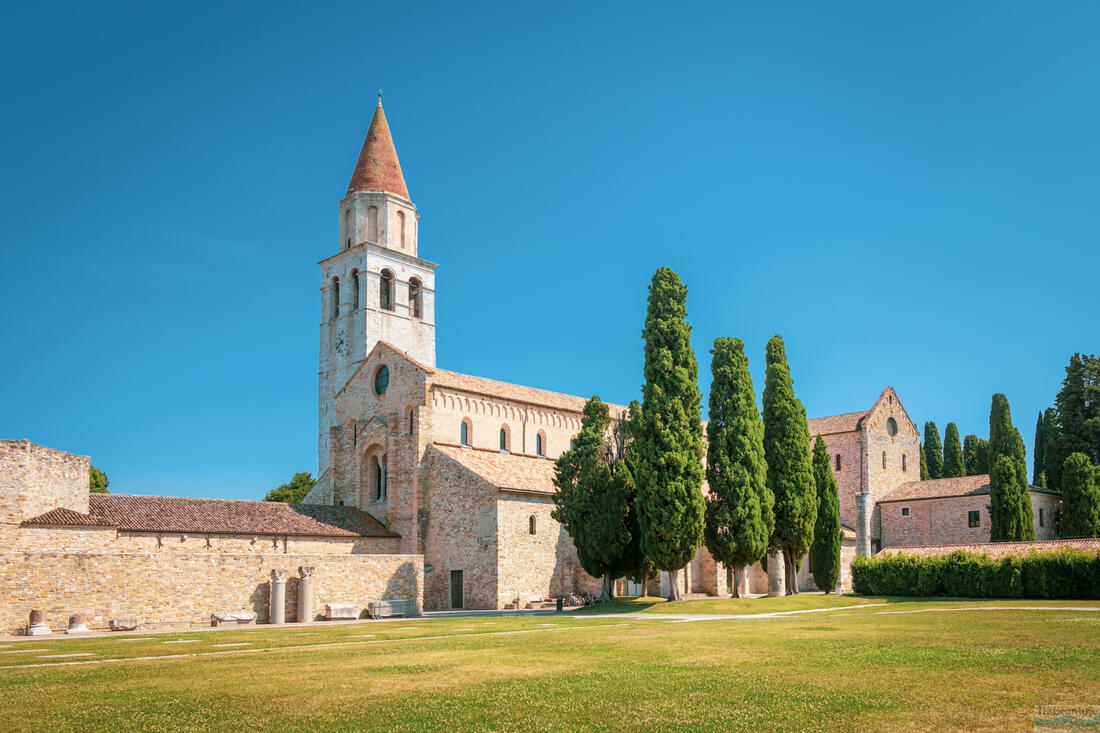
[[401, 227], [540, 444], [464, 432], [372, 224], [378, 477], [531, 524], [355, 289], [414, 297], [347, 228], [505, 441], [884, 459], [837, 462], [335, 297], [385, 291], [903, 466]]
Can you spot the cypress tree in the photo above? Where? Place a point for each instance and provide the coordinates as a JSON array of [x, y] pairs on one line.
[[591, 504], [1039, 450], [790, 474], [735, 531], [1010, 499], [1076, 419], [825, 550], [976, 455], [933, 450], [953, 463], [1080, 497], [668, 445], [923, 464]]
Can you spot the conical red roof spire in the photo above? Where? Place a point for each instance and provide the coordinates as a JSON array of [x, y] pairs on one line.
[[377, 168]]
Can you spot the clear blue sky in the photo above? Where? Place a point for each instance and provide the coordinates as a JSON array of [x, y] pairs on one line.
[[907, 192]]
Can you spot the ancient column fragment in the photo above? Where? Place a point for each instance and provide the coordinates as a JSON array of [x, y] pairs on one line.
[[278, 597], [305, 593]]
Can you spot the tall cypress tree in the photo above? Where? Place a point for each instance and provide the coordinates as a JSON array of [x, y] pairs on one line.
[[1039, 452], [790, 474], [1010, 514], [923, 464], [736, 532], [825, 550], [668, 445], [593, 506], [933, 450], [1076, 417], [1080, 497], [976, 455], [953, 463]]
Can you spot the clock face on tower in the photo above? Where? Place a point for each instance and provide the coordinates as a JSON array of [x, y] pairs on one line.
[[342, 343]]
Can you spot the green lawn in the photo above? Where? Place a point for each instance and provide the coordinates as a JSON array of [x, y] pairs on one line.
[[801, 602], [848, 668]]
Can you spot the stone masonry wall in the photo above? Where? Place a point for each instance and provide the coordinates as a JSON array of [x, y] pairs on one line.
[[185, 588], [901, 451], [35, 479], [540, 565], [848, 478]]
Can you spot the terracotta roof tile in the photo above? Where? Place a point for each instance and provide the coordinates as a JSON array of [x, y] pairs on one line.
[[62, 517], [846, 423], [944, 487], [504, 470], [378, 168], [217, 516], [997, 550], [515, 392]]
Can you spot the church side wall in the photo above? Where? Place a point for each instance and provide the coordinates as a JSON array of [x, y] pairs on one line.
[[945, 521], [488, 415], [902, 455], [848, 479], [185, 588], [540, 565], [457, 502], [108, 539]]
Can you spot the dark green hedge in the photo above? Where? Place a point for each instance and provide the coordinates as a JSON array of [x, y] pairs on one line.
[[1057, 574]]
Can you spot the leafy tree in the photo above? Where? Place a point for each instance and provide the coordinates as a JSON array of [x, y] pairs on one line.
[[933, 450], [787, 452], [923, 464], [634, 565], [954, 465], [668, 459], [1080, 497], [825, 550], [294, 490], [593, 505], [97, 481], [976, 455], [1043, 423], [1076, 419], [735, 531], [1010, 515]]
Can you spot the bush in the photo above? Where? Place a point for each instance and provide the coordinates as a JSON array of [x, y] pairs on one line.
[[1058, 574]]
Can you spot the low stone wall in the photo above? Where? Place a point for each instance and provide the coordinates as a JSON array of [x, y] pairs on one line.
[[172, 589]]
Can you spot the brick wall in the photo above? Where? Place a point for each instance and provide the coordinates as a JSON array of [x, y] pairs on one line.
[[185, 588], [945, 521]]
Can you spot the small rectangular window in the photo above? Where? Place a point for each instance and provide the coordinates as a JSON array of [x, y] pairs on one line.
[[975, 518], [905, 511], [1040, 516]]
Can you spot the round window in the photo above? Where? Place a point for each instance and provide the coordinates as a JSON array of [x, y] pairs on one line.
[[891, 424], [381, 379]]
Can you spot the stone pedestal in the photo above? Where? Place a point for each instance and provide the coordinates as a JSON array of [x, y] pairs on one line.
[[77, 624], [777, 585], [278, 597], [36, 627], [305, 593]]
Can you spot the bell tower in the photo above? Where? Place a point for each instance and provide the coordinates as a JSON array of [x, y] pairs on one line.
[[376, 287]]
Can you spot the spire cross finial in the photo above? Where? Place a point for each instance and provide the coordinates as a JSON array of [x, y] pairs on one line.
[[379, 97]]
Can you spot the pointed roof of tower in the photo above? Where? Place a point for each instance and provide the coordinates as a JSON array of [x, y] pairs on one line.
[[377, 168]]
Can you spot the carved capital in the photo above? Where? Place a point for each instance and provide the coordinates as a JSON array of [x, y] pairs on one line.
[[305, 571], [278, 576]]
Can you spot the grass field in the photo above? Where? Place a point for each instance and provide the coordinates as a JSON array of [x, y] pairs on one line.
[[900, 664]]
